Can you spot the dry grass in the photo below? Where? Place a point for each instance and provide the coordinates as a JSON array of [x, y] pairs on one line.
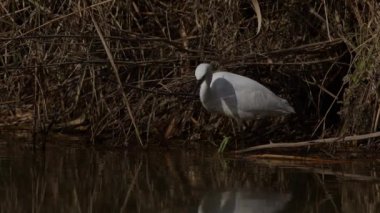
[[119, 70]]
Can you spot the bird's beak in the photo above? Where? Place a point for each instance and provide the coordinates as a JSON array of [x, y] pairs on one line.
[[198, 84]]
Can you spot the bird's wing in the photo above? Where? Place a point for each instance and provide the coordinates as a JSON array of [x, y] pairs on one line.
[[246, 95], [258, 99], [245, 92]]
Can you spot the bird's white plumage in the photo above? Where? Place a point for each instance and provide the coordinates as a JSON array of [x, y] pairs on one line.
[[237, 96]]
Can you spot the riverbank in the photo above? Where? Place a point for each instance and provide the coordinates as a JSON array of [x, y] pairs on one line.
[[123, 73]]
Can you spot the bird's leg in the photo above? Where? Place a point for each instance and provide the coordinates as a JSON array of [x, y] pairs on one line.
[[248, 131], [238, 126], [244, 126], [244, 133], [234, 132], [241, 126]]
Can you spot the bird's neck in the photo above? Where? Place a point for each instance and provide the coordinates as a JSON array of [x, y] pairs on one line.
[[205, 90]]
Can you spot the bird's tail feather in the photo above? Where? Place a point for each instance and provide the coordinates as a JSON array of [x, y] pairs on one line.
[[285, 106]]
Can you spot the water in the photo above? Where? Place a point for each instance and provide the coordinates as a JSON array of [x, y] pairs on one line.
[[67, 178]]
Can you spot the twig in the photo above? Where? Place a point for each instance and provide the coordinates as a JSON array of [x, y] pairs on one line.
[[327, 21], [310, 167], [256, 7], [64, 16], [309, 143], [120, 84], [292, 158], [158, 92]]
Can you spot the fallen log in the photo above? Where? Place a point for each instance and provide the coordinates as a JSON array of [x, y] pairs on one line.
[[309, 143]]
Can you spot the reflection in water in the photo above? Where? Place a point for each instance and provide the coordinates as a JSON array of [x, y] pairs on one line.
[[244, 201], [92, 179]]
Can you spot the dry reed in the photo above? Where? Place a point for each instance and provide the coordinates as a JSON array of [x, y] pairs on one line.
[[124, 70]]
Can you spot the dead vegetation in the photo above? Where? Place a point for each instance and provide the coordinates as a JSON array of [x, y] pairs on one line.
[[124, 70]]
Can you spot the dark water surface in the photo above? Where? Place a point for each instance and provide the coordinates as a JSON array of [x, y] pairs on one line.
[[67, 178]]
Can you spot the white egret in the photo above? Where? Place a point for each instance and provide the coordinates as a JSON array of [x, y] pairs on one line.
[[237, 96]]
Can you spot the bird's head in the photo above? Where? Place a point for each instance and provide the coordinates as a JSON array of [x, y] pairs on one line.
[[201, 72]]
